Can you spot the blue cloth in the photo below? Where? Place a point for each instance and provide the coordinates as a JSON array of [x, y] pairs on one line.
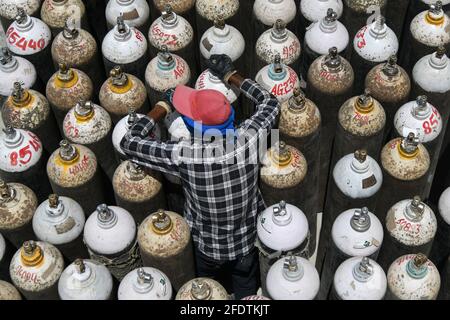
[[227, 125]]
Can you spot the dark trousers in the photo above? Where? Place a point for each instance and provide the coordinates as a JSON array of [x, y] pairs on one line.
[[242, 273]]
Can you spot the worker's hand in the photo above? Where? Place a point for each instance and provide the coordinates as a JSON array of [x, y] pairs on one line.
[[221, 66]]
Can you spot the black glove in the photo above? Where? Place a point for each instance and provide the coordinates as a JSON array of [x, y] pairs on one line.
[[221, 66]]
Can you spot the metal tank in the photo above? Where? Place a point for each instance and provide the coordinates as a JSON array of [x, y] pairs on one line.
[[85, 280], [28, 109], [90, 125], [22, 160], [35, 270], [65, 88], [110, 237], [359, 278], [413, 277], [145, 283], [17, 205], [165, 243], [207, 80], [164, 72], [78, 49], [127, 47], [8, 10], [138, 190], [8, 291], [292, 278], [30, 37], [202, 289], [60, 222], [55, 13], [122, 92], [441, 246], [373, 43], [355, 233], [411, 226], [282, 230], [136, 13], [73, 172]]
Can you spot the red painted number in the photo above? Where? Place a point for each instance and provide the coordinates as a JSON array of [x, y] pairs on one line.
[[407, 226], [360, 35], [138, 36], [24, 156], [432, 122], [13, 157], [22, 43]]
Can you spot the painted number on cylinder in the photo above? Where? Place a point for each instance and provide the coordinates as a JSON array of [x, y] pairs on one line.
[[166, 38], [432, 122], [360, 35], [70, 129], [328, 75], [24, 155], [26, 275], [179, 69], [285, 87], [289, 51], [83, 165], [20, 42], [407, 226]]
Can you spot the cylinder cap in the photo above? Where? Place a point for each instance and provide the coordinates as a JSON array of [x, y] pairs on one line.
[[106, 217], [408, 148], [361, 220], [364, 103], [6, 192], [415, 210], [200, 290], [280, 154], [390, 68], [417, 267], [67, 152], [363, 271], [69, 31], [31, 254], [333, 60], [292, 271], [161, 222]]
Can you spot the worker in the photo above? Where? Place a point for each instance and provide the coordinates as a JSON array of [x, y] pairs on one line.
[[222, 198]]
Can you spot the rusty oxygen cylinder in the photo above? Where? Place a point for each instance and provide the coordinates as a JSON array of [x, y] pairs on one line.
[[202, 289], [410, 228], [282, 230], [90, 125], [390, 85], [127, 47], [330, 83], [176, 34], [30, 37], [441, 245], [8, 291], [413, 277], [55, 13], [374, 43], [354, 183], [35, 270], [77, 49], [165, 243], [95, 10], [355, 233], [73, 172], [65, 88], [425, 122], [138, 190], [110, 237], [22, 160], [299, 127], [136, 13], [60, 222], [122, 92], [164, 72], [17, 204], [8, 10], [405, 164]]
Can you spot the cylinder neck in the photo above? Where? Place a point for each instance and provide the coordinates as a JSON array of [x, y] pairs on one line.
[[169, 19], [439, 59], [106, 218], [120, 82], [277, 70], [280, 154], [122, 31], [31, 254], [363, 271], [435, 14], [59, 2], [166, 61], [67, 152], [70, 32], [415, 209], [201, 290], [364, 103], [13, 138], [333, 61], [417, 267], [281, 216], [23, 21], [279, 32], [8, 63], [143, 282], [360, 221], [20, 97], [66, 77], [378, 28], [84, 110], [409, 147], [297, 102], [329, 23], [390, 68], [124, 2], [421, 109], [7, 193], [221, 31], [132, 118], [292, 270], [360, 163], [55, 208], [134, 171], [161, 222], [82, 272]]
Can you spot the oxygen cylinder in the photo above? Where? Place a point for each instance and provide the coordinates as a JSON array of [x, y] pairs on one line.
[[359, 279], [145, 284], [405, 164], [73, 172], [77, 49], [138, 190], [110, 237], [8, 291], [65, 88], [164, 72], [127, 47], [122, 92], [22, 160], [30, 37], [279, 79], [90, 125], [202, 289], [441, 245], [30, 110], [136, 13], [292, 278], [282, 230], [17, 203], [16, 69], [207, 80], [175, 33], [425, 122], [355, 233], [411, 226], [413, 277], [85, 280], [8, 10], [390, 85], [355, 183], [165, 243], [330, 83], [373, 44], [320, 36], [55, 13], [35, 270], [60, 222]]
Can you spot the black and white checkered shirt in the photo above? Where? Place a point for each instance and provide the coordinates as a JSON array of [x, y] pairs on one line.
[[222, 198]]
